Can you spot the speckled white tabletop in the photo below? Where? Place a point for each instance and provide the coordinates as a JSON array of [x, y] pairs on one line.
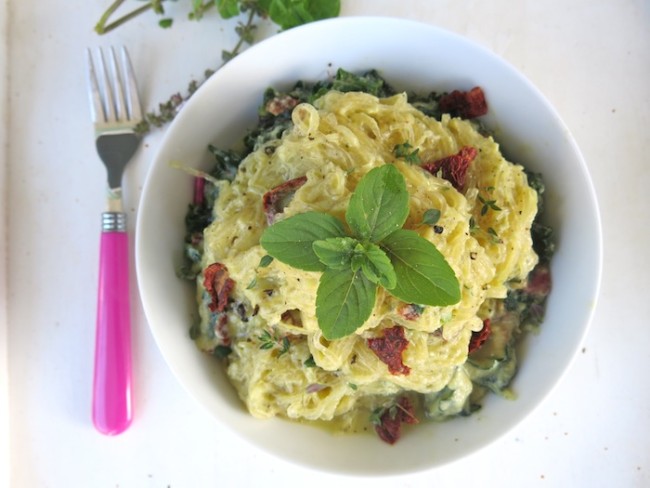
[[590, 58]]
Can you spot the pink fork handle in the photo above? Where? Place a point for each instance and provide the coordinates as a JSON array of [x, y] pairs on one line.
[[112, 389]]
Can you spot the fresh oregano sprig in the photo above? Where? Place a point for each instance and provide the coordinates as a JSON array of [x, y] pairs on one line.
[[270, 341], [488, 204], [377, 252], [285, 13], [406, 151], [265, 261]]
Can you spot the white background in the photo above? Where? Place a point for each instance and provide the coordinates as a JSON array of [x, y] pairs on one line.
[[591, 58]]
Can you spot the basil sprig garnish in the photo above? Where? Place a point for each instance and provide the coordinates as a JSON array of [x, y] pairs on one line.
[[377, 252]]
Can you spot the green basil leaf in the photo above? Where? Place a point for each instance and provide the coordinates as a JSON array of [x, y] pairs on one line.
[[322, 9], [377, 266], [423, 275], [291, 240], [291, 13], [264, 5], [336, 252], [227, 8], [344, 301], [379, 204], [358, 259]]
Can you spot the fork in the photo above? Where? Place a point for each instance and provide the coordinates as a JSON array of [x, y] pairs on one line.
[[115, 109]]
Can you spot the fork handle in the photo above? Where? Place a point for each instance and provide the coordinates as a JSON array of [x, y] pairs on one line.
[[112, 388]]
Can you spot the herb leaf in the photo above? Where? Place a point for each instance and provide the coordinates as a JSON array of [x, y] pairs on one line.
[[404, 151], [227, 8], [265, 261], [269, 341], [431, 216], [379, 204], [336, 252], [344, 301], [370, 82], [291, 240], [291, 13], [309, 362], [423, 275], [377, 267], [487, 205]]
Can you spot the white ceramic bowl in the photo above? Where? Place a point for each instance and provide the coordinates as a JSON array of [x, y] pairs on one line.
[[411, 56]]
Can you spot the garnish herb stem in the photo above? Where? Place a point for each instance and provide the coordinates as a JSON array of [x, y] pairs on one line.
[[245, 32], [102, 28], [199, 10]]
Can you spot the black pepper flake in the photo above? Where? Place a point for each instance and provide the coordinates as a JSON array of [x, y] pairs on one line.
[[438, 229]]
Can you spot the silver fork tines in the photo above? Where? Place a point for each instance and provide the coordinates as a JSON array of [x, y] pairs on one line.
[[115, 104]]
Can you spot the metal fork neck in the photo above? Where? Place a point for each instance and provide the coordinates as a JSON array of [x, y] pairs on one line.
[[113, 222]]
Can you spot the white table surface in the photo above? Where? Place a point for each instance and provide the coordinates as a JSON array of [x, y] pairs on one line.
[[591, 58]]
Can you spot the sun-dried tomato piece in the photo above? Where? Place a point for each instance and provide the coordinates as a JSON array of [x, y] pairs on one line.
[[389, 349], [221, 329], [217, 283], [539, 281], [199, 190], [276, 199], [410, 311], [389, 428], [479, 337], [281, 104], [465, 104], [454, 168]]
